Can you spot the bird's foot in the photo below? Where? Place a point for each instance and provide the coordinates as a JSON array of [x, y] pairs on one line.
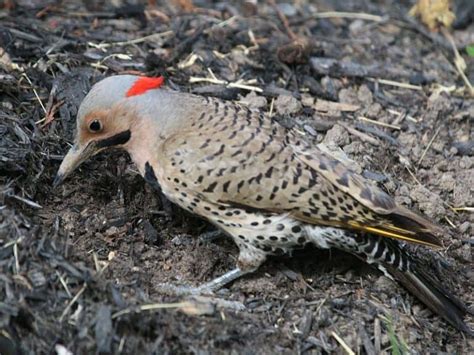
[[205, 289]]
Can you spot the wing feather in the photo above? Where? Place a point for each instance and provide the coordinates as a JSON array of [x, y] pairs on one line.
[[400, 222]]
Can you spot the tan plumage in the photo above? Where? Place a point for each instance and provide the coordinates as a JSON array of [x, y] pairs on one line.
[[245, 156], [259, 182], [393, 220]]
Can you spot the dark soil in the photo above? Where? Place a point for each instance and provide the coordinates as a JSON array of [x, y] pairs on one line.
[[71, 258]]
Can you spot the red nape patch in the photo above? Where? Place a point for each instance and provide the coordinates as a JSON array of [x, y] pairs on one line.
[[144, 84]]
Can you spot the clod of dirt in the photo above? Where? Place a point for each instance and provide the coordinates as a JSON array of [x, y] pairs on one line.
[[253, 100], [364, 95], [464, 148], [463, 192], [286, 105], [430, 203], [337, 136], [348, 96]]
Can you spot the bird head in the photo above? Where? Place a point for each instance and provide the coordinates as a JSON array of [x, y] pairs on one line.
[[105, 118]]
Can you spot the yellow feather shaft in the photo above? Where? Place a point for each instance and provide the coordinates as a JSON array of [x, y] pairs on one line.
[[387, 233]]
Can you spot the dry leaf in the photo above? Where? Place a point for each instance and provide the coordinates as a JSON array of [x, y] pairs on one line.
[[5, 60], [433, 13]]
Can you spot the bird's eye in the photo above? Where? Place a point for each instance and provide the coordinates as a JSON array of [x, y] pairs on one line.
[[95, 126]]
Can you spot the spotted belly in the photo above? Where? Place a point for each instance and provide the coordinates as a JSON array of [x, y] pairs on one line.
[[272, 234], [269, 234]]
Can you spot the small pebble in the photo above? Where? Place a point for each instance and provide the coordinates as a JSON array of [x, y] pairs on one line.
[[286, 105]]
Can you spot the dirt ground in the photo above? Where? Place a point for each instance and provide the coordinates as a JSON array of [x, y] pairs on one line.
[[79, 264]]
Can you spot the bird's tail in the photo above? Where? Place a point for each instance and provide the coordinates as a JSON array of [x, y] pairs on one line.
[[388, 255], [434, 296]]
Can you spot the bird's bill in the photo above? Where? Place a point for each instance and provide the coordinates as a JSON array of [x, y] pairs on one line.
[[74, 157]]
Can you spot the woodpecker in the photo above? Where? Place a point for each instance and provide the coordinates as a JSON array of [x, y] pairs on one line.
[[257, 181]]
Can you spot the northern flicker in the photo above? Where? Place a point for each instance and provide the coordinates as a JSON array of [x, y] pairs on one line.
[[256, 180]]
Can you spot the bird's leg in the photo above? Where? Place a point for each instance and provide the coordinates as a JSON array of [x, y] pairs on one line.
[[249, 260], [207, 288], [222, 280]]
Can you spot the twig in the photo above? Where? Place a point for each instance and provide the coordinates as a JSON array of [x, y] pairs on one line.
[[351, 15], [284, 20], [190, 60], [35, 92], [270, 113], [50, 116], [408, 117], [224, 23], [468, 209], [362, 118], [150, 307], [26, 201], [252, 39], [63, 282], [195, 79], [346, 348], [133, 41], [396, 83], [413, 176], [361, 135], [429, 145], [213, 76], [121, 345], [214, 80], [76, 297], [17, 262], [320, 306], [244, 87], [98, 66], [12, 242], [49, 104], [449, 222], [458, 60], [96, 262], [101, 271]]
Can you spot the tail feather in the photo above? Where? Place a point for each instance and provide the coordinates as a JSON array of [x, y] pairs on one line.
[[434, 296], [390, 257]]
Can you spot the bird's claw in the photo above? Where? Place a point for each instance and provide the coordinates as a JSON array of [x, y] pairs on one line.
[[206, 289]]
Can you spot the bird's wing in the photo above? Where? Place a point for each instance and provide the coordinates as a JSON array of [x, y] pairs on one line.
[[246, 160], [396, 221]]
